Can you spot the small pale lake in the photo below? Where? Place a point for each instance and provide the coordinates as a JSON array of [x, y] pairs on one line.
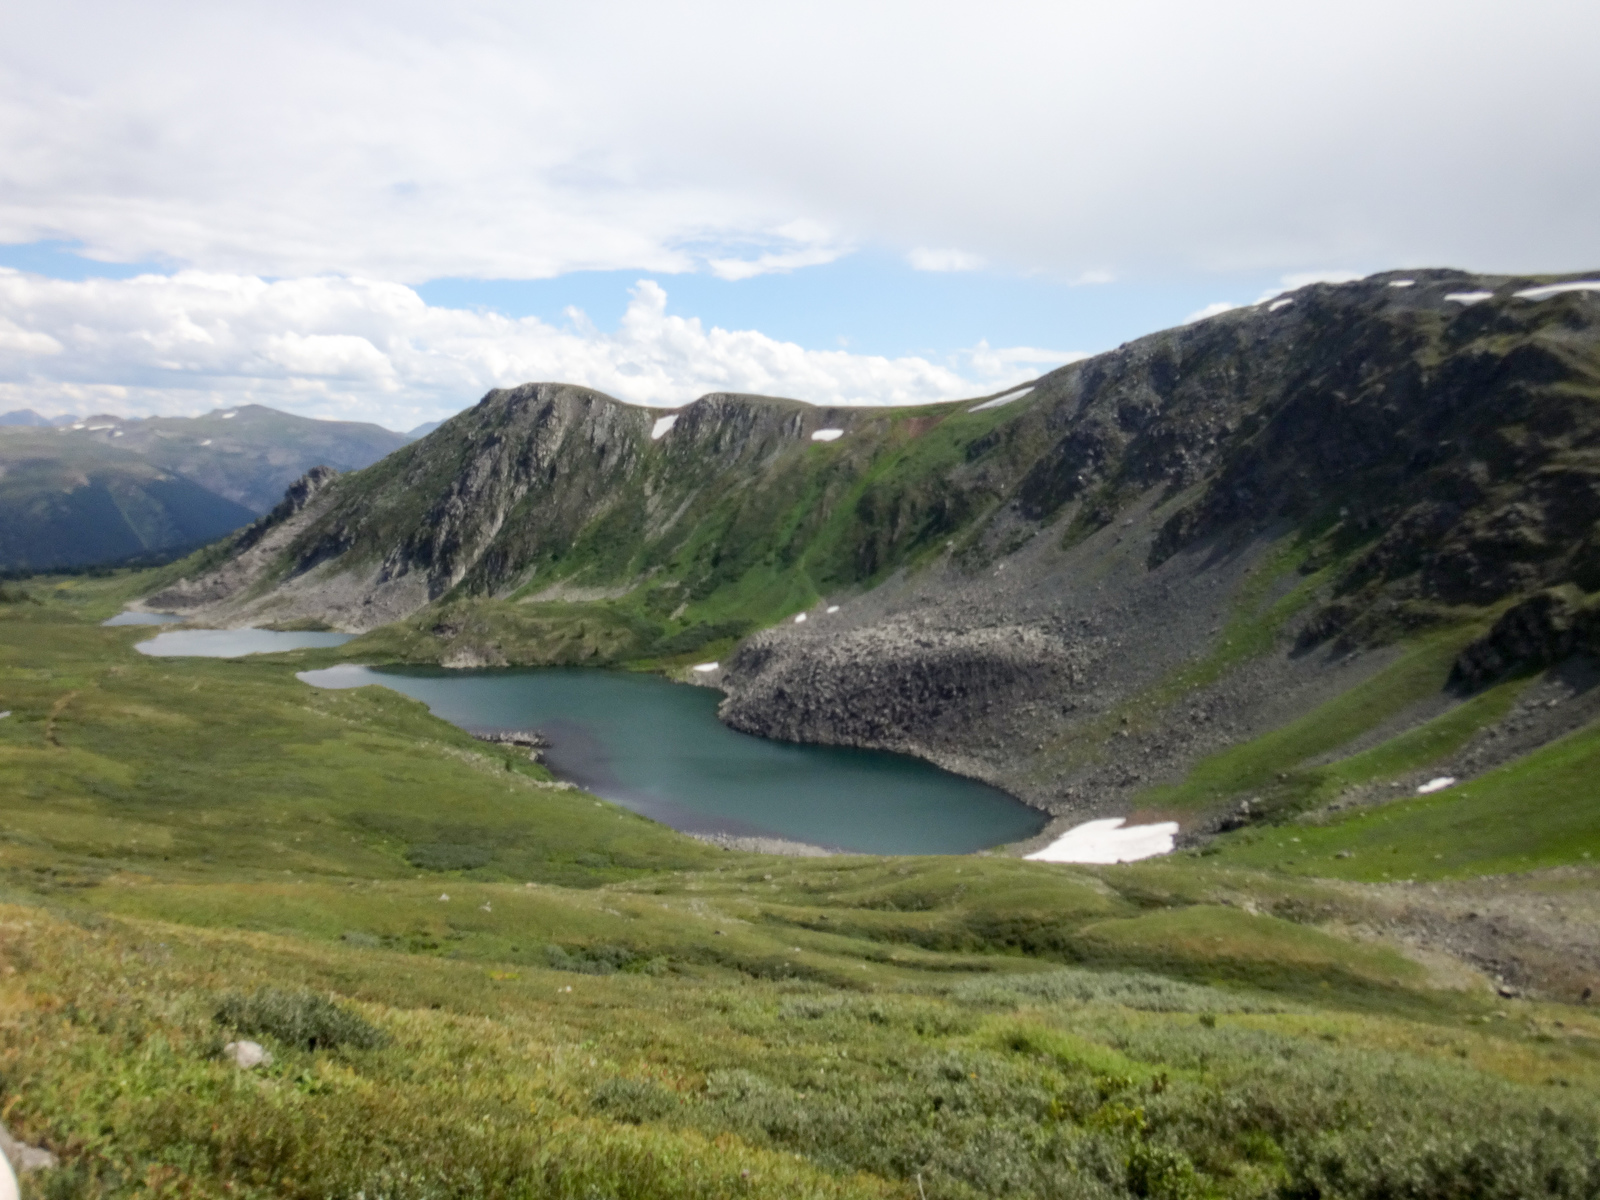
[[657, 747], [233, 643]]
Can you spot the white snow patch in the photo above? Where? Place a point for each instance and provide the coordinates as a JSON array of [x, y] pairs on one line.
[[1402, 283], [1555, 289], [999, 400], [832, 608], [116, 433], [229, 416], [710, 666], [1106, 841], [4, 715], [207, 442], [1277, 304], [659, 429], [827, 435], [800, 620], [94, 428], [1436, 785], [1467, 297]]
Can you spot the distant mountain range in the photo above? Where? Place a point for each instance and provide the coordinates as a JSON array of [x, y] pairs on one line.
[[79, 491], [27, 417]]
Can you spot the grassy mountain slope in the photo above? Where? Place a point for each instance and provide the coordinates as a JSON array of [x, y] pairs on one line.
[[97, 504], [602, 1007]]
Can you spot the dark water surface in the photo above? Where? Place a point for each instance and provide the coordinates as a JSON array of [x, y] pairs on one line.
[[657, 748]]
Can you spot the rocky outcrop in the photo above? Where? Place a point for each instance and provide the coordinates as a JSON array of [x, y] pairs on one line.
[[247, 558], [1542, 630], [900, 685]]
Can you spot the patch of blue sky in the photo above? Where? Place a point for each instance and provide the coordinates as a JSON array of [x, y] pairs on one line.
[[63, 260], [872, 303], [868, 302]]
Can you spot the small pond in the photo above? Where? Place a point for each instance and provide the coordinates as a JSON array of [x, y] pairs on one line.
[[143, 618], [233, 643], [657, 748]]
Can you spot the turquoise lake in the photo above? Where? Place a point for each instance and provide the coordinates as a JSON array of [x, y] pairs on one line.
[[657, 747]]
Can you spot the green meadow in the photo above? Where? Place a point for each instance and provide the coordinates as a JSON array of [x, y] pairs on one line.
[[475, 981]]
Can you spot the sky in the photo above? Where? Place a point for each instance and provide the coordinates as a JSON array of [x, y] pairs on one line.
[[377, 211]]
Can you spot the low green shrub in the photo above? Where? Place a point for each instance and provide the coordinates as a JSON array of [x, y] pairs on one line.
[[634, 1101], [298, 1018], [1130, 989], [602, 960], [448, 856]]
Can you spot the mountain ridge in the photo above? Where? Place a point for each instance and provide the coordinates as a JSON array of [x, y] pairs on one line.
[[1147, 558]]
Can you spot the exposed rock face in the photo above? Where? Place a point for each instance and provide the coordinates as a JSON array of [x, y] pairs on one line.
[[251, 553], [1543, 629], [899, 685]]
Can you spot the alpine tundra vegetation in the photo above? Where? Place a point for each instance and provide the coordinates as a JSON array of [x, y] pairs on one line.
[[1317, 582]]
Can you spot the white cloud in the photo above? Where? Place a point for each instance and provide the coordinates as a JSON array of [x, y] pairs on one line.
[[361, 350], [500, 140], [766, 264], [922, 258], [1008, 360]]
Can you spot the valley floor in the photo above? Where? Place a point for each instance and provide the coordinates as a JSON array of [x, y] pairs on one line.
[[474, 983]]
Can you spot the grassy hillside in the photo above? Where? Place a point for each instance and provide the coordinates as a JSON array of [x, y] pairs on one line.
[[193, 851]]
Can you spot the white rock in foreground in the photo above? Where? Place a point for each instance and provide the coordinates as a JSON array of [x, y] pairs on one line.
[[247, 1054], [827, 435], [1106, 841], [1436, 785]]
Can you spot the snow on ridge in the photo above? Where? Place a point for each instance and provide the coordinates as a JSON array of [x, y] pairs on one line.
[[1555, 289], [1402, 283], [1277, 304], [660, 428], [1106, 841], [1467, 297], [999, 400]]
